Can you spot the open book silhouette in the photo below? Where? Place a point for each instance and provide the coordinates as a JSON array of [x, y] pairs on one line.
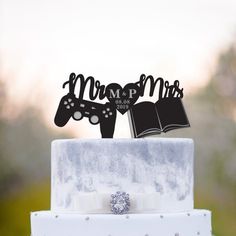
[[153, 118]]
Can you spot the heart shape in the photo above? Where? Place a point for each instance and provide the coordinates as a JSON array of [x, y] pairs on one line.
[[122, 98]]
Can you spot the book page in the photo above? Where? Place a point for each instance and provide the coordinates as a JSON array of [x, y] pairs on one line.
[[171, 114], [144, 119]]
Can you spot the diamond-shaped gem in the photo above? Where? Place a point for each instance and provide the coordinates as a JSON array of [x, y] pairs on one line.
[[120, 203]]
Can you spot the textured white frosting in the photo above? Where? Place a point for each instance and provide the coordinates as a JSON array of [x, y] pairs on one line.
[[193, 223], [156, 172]]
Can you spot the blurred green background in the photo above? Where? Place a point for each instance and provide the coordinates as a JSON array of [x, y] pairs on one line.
[[25, 154]]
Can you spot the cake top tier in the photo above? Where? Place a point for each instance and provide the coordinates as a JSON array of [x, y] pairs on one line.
[[145, 148], [160, 169], [125, 157]]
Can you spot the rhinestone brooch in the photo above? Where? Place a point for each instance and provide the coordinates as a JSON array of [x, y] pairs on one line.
[[120, 203]]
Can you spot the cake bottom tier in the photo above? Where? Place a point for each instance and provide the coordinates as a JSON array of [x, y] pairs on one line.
[[47, 223]]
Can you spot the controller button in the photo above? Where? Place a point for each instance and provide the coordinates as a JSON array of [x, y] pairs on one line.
[[108, 109], [65, 102], [72, 104], [68, 107], [69, 99], [110, 113], [103, 111], [77, 115], [94, 119], [82, 105], [106, 116]]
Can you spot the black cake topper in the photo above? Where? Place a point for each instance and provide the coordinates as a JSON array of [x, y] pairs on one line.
[[146, 118]]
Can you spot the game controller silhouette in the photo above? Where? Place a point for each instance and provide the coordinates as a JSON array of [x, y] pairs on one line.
[[77, 108]]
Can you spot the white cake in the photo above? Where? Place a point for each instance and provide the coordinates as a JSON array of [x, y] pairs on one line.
[[156, 173]]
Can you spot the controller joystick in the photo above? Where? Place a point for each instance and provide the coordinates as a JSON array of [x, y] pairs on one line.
[[94, 119], [77, 115]]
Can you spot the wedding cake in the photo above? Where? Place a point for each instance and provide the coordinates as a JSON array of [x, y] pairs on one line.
[[122, 187]]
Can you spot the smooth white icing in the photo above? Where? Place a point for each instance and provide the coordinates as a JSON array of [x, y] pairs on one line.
[[159, 170], [193, 223]]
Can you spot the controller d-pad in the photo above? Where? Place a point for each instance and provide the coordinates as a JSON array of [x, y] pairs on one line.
[[69, 103]]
